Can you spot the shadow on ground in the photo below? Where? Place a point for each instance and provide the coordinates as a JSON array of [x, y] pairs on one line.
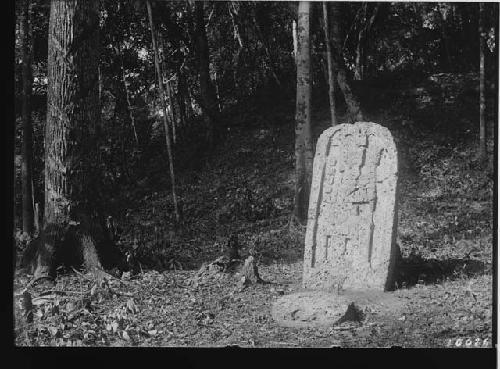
[[415, 269]]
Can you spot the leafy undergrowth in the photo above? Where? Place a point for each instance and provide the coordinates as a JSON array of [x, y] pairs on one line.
[[246, 188]]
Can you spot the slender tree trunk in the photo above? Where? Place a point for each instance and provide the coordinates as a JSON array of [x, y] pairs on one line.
[[99, 81], [168, 90], [233, 12], [445, 44], [358, 72], [324, 69], [163, 76], [207, 90], [165, 113], [127, 95], [303, 137], [362, 40], [294, 37], [329, 60], [36, 218], [339, 65], [482, 99], [189, 104], [219, 107], [181, 97], [494, 131], [27, 144], [358, 68], [173, 112], [73, 113]]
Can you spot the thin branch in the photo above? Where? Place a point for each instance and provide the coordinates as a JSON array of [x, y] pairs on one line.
[[233, 12], [162, 95]]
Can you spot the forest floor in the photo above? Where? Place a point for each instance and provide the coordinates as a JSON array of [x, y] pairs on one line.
[[246, 188]]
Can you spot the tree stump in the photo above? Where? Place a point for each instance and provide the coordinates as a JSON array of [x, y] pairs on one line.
[[249, 272]]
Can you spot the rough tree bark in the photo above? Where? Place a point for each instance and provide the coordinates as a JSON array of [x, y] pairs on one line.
[[482, 99], [69, 233], [162, 98], [339, 65], [207, 90], [303, 137], [329, 61], [27, 144]]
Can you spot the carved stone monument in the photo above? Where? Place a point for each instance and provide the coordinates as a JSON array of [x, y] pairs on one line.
[[351, 229]]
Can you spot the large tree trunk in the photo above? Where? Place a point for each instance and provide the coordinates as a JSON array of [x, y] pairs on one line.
[[329, 61], [339, 65], [73, 114], [27, 145], [73, 107], [303, 137], [165, 113], [482, 99], [207, 90]]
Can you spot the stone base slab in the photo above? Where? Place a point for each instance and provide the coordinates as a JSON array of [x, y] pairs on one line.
[[319, 308]]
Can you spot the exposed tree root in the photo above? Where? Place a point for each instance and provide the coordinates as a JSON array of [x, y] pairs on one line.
[[83, 244]]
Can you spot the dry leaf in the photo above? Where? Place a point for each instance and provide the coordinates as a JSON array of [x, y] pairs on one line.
[[131, 306], [93, 290]]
